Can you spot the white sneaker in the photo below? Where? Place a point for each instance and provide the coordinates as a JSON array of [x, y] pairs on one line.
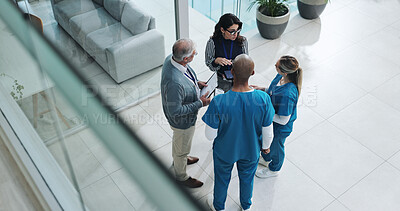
[[247, 209], [266, 173], [210, 204], [262, 162]]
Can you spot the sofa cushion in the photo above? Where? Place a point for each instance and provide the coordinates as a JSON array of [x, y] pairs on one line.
[[115, 7], [134, 19], [98, 41], [81, 25], [69, 8]]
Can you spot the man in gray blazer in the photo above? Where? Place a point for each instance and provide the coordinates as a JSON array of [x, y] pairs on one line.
[[181, 100]]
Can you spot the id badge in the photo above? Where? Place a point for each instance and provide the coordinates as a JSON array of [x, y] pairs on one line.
[[228, 74]]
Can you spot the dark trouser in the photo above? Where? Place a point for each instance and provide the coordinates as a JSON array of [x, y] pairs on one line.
[[277, 151], [224, 84], [222, 177]]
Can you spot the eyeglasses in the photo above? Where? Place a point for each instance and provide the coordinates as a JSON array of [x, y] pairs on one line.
[[233, 32]]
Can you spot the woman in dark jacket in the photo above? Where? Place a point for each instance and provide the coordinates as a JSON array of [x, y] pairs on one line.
[[223, 47]]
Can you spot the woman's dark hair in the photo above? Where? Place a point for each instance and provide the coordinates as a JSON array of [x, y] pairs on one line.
[[226, 21]]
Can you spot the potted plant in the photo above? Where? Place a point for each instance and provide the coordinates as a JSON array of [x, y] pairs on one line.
[[311, 9], [272, 17]]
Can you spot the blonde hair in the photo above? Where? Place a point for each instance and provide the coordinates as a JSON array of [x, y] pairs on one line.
[[290, 66]]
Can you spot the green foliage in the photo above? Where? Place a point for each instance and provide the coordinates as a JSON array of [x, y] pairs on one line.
[[273, 8], [16, 93]]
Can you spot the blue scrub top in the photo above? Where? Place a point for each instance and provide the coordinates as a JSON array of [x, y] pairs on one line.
[[284, 99], [239, 118]]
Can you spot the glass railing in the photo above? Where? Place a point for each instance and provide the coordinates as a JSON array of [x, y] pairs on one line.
[[85, 152]]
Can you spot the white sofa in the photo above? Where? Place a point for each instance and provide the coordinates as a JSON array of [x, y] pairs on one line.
[[116, 33]]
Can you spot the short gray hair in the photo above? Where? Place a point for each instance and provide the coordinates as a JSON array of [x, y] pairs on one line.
[[183, 48]]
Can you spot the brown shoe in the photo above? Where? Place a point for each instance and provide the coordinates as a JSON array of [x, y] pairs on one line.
[[191, 160], [191, 183]]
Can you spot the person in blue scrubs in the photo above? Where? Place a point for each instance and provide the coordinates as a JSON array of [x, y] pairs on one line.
[[284, 91], [240, 123]]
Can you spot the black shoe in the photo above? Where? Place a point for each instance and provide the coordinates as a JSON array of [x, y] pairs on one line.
[[191, 183]]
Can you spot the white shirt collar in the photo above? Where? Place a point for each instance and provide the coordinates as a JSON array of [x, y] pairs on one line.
[[178, 66]]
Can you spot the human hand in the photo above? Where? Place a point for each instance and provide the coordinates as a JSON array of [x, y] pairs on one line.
[[266, 151], [202, 84], [222, 61], [205, 100], [258, 87]]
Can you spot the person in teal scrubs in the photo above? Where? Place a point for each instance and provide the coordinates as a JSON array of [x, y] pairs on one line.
[[240, 123], [284, 91]]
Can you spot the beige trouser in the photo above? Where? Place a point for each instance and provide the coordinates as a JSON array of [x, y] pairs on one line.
[[181, 144]]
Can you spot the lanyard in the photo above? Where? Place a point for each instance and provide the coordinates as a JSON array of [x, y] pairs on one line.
[[191, 77], [230, 55]]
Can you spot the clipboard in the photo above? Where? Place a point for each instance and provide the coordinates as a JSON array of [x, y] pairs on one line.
[[212, 83]]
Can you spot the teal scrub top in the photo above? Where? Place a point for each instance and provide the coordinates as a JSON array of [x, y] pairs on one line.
[[284, 99], [239, 118]]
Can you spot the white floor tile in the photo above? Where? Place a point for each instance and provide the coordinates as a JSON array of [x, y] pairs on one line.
[[331, 7], [295, 21], [360, 25], [372, 123], [388, 92], [152, 7], [106, 158], [337, 75], [285, 192], [201, 22], [136, 117], [331, 158], [143, 85], [254, 39], [87, 169], [164, 154], [105, 195], [314, 43], [89, 137], [131, 191], [385, 43], [395, 160], [112, 93], [378, 191], [385, 12], [306, 119], [332, 93], [153, 106], [381, 69], [336, 206], [396, 25], [153, 135]]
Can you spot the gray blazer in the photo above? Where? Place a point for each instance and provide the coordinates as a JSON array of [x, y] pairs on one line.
[[179, 97]]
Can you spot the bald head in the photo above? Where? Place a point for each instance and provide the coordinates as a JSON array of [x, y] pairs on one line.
[[243, 67]]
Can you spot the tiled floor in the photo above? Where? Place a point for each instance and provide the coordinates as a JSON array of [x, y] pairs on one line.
[[344, 152]]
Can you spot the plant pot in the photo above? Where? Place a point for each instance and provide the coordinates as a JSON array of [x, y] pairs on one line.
[[271, 27], [311, 9]]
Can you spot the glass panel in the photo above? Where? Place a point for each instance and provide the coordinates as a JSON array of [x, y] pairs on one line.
[[101, 181], [36, 96], [118, 48]]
